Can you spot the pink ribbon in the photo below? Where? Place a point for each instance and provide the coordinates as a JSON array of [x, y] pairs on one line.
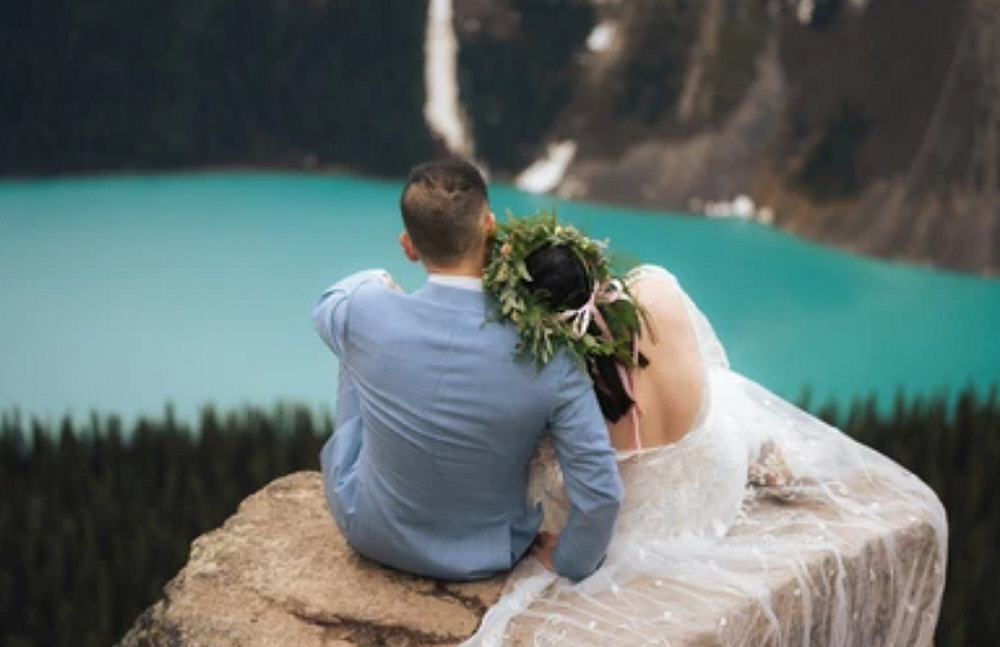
[[608, 292]]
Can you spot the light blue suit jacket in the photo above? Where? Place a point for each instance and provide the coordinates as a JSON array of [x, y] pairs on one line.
[[436, 426]]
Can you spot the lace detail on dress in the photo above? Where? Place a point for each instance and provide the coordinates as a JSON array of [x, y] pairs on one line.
[[692, 487], [545, 487]]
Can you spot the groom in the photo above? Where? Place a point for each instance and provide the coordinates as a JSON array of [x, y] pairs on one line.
[[437, 423]]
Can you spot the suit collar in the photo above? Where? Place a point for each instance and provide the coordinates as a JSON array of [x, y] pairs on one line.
[[451, 296], [464, 282]]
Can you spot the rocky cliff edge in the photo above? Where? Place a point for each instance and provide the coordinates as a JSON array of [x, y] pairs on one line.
[[279, 573]]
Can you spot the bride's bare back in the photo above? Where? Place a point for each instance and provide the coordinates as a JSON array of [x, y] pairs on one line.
[[671, 388]]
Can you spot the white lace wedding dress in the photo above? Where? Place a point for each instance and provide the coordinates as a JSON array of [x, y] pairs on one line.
[[692, 537]]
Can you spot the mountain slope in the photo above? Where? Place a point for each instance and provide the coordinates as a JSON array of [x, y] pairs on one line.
[[874, 127]]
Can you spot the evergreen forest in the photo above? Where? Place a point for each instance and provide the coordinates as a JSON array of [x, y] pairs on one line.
[[95, 518], [114, 85]]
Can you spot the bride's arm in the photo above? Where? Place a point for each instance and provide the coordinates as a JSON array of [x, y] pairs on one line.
[[671, 388]]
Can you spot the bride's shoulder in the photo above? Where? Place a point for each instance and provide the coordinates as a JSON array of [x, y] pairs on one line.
[[657, 290], [650, 274]]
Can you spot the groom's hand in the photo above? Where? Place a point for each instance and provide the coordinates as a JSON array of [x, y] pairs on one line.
[[545, 545]]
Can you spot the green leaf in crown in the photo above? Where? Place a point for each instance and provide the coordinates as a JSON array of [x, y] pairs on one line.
[[542, 331]]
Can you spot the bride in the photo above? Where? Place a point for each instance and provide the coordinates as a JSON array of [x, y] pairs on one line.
[[693, 542]]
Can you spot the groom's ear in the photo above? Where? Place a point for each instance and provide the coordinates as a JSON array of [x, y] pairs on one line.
[[408, 249], [491, 223]]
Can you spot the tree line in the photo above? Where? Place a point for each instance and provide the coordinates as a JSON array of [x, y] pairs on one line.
[[96, 518], [114, 85], [120, 85]]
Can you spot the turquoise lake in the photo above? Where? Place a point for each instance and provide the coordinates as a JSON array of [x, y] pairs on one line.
[[120, 294]]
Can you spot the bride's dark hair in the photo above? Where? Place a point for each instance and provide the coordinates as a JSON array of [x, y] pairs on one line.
[[559, 276]]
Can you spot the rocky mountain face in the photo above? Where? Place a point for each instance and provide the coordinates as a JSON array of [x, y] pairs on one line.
[[871, 125]]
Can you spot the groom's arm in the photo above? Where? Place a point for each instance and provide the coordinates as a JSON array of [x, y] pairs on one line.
[[330, 311], [339, 456], [590, 476]]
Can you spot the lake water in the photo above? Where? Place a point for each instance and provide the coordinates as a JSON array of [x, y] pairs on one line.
[[119, 294]]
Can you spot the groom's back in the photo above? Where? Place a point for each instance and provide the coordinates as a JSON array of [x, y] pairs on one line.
[[436, 422], [447, 423]]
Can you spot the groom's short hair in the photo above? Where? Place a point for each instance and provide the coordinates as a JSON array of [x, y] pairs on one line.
[[442, 205]]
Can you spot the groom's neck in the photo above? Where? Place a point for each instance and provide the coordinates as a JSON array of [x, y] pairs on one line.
[[473, 272], [472, 266]]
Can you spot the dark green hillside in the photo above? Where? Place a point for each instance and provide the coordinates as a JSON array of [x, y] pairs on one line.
[[94, 520], [118, 85]]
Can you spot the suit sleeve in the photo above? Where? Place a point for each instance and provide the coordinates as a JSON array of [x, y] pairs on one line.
[[330, 311], [339, 456], [590, 476]]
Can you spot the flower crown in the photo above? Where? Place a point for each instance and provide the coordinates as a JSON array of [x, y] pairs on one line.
[[543, 330]]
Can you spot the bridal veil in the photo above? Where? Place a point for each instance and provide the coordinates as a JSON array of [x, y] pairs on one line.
[[849, 551]]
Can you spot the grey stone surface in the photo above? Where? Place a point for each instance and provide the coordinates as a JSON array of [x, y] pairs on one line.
[[279, 573]]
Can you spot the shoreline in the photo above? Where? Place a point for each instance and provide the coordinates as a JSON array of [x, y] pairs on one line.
[[643, 210]]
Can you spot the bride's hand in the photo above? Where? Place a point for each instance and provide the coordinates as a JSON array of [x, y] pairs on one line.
[[545, 545], [389, 281]]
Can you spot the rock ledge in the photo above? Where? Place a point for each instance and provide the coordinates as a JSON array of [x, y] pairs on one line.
[[279, 573]]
